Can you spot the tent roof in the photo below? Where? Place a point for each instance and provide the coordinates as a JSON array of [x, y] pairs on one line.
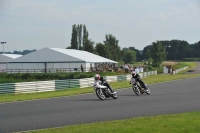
[[84, 55], [62, 55], [8, 57], [13, 56]]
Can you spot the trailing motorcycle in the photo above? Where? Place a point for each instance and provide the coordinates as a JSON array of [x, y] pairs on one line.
[[103, 92], [138, 88]]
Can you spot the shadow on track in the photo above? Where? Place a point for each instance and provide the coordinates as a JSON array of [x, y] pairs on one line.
[[91, 99]]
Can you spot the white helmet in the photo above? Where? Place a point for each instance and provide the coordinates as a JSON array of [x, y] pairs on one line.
[[133, 73], [97, 77]]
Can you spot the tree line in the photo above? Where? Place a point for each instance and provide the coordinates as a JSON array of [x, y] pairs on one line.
[[156, 52], [24, 52], [109, 48], [173, 50]]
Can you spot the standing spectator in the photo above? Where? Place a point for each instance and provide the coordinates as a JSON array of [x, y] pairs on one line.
[[131, 68], [81, 68], [126, 68]]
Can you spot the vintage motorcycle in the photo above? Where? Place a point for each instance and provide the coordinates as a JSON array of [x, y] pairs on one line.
[[103, 92], [138, 88]]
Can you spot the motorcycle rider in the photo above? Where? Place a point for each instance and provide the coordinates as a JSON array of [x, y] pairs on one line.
[[103, 81], [138, 79]]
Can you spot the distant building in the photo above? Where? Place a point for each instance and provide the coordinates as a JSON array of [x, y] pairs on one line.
[[5, 58], [57, 60]]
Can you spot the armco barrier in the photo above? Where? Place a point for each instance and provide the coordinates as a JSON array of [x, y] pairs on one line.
[[31, 87], [86, 82], [111, 78], [74, 83], [121, 78], [7, 88], [62, 84], [179, 70], [54, 85], [66, 84]]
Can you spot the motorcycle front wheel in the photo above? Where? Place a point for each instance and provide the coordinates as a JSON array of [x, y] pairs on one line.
[[100, 94], [136, 90], [114, 96], [148, 91]]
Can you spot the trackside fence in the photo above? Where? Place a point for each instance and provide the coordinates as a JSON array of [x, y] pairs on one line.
[[179, 70], [54, 85]]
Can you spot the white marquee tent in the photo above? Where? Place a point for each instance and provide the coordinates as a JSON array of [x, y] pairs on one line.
[[57, 59], [5, 58]]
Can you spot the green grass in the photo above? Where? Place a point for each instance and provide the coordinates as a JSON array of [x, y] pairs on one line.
[[116, 85], [41, 95], [174, 123]]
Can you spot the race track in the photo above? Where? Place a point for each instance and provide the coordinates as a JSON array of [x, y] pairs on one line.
[[166, 98]]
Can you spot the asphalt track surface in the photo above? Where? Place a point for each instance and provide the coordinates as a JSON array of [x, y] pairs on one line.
[[166, 98], [196, 70]]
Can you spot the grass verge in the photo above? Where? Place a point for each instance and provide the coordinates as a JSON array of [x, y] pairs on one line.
[[174, 123]]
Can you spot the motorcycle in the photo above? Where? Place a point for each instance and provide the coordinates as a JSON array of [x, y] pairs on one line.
[[103, 92], [138, 88]]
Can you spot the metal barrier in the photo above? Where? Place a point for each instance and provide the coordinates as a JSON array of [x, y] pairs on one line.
[[179, 70], [32, 87], [50, 70], [7, 88]]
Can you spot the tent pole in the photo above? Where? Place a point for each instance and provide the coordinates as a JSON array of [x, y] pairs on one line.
[[69, 67]]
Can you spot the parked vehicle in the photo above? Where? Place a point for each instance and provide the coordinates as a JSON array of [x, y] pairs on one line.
[[103, 92], [138, 88]]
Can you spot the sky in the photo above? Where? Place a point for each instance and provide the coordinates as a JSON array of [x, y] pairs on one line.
[[35, 24]]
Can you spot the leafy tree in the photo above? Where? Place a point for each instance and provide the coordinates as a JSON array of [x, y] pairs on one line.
[[147, 52], [158, 53], [122, 53], [112, 44], [103, 50], [177, 49], [24, 52], [130, 56], [85, 35], [138, 53], [69, 47], [74, 43], [79, 35], [89, 46], [27, 51], [194, 50], [100, 49], [150, 60]]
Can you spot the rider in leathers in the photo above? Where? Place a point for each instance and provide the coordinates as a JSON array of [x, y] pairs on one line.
[[138, 79], [103, 81]]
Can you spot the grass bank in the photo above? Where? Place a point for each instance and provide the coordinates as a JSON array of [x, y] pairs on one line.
[[174, 123]]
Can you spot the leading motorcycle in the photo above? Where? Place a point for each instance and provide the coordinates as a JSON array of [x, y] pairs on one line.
[[138, 88], [103, 92]]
